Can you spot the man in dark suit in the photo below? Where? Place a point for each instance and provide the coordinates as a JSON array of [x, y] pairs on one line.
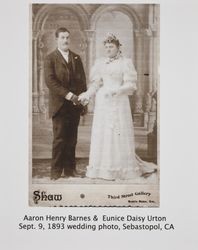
[[65, 78]]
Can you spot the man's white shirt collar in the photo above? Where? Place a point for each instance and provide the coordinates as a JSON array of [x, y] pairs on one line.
[[65, 54]]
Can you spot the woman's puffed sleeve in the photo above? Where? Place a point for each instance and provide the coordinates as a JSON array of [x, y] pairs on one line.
[[95, 78], [129, 78]]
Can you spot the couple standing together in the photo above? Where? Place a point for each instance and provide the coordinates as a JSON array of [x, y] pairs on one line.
[[112, 79]]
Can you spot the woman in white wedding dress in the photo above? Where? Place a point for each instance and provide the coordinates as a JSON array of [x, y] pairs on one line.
[[112, 151]]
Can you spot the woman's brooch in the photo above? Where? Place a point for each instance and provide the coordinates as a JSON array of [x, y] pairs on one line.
[[113, 59]]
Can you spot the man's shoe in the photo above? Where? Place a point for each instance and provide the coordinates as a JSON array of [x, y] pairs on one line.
[[55, 177], [74, 173]]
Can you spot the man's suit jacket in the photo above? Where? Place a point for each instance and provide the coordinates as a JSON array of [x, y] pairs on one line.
[[58, 78]]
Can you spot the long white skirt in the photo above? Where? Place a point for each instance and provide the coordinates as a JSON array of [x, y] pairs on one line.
[[112, 150]]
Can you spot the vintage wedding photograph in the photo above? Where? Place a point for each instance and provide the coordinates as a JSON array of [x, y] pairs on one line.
[[94, 105]]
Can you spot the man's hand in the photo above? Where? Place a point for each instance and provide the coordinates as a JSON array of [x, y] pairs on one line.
[[75, 100]]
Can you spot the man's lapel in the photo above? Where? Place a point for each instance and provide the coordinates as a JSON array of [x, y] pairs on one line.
[[61, 58], [72, 60]]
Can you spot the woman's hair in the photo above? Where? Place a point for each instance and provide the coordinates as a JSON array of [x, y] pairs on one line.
[[111, 38]]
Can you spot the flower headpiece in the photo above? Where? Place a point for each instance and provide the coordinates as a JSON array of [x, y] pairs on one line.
[[111, 38]]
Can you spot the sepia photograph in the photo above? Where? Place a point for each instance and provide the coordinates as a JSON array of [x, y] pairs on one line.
[[99, 125], [94, 105]]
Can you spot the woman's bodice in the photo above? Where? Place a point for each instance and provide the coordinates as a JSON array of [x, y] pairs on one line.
[[112, 73], [118, 74]]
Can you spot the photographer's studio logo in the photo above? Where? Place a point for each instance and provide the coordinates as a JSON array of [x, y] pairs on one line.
[[43, 196]]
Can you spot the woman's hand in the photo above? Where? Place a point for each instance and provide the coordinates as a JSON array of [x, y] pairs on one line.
[[110, 93], [84, 99]]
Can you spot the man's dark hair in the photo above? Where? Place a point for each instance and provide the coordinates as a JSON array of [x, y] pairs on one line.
[[61, 29]]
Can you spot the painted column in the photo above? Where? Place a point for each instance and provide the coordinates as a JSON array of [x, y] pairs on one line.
[[139, 69], [35, 107], [149, 89], [41, 100], [152, 33], [90, 34]]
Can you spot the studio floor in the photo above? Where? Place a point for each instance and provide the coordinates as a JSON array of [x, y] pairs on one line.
[[41, 175]]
